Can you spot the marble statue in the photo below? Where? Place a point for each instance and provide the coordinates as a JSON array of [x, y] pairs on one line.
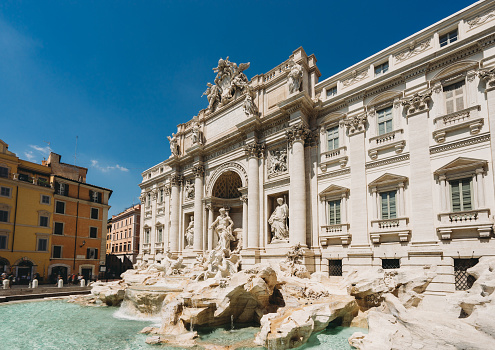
[[278, 222], [295, 76], [190, 234], [168, 265], [213, 94], [249, 107], [174, 145], [223, 227], [196, 133], [189, 189]]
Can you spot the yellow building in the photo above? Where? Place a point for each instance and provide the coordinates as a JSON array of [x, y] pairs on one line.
[[26, 216]]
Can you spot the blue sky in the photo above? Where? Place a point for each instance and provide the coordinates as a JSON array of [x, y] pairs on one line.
[[120, 75]]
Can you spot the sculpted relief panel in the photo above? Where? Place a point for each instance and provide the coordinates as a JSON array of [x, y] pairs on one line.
[[277, 162]]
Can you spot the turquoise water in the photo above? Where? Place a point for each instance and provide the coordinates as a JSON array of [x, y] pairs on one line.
[[56, 324]]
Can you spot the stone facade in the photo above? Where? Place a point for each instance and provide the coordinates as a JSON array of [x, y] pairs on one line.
[[386, 163]]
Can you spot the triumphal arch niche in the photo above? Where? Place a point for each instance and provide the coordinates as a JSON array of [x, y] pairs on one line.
[[245, 160]]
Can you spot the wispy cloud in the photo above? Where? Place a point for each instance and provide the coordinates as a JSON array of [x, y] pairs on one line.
[[43, 150], [95, 164], [29, 155]]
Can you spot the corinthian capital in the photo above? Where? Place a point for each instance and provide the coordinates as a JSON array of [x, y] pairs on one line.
[[298, 132], [198, 170], [418, 102], [488, 75], [254, 150], [176, 180], [355, 124]]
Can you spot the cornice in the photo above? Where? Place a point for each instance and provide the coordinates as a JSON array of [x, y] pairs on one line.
[[387, 161], [459, 144]]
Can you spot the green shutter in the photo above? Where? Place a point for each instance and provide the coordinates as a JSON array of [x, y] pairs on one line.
[[392, 205], [466, 194], [456, 196]]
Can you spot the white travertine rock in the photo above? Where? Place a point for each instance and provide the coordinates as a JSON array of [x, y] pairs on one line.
[[111, 293]]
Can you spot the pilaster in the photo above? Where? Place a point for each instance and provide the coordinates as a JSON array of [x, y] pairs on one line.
[[198, 171]]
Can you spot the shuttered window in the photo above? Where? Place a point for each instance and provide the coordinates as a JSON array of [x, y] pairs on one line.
[[159, 235], [384, 121], [454, 97], [334, 212], [461, 194], [388, 204], [333, 138]]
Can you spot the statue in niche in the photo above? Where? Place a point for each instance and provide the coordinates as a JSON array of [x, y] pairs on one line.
[[196, 133], [295, 76], [249, 107], [278, 222], [174, 145], [278, 162], [189, 189], [213, 94], [223, 228], [190, 234]]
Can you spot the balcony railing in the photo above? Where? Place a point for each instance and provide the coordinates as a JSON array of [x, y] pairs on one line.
[[39, 181], [466, 118], [338, 231], [478, 219], [159, 246], [390, 227], [393, 139], [338, 155]]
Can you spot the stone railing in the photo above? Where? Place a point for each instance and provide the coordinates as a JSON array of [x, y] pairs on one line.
[[146, 247], [159, 246], [338, 155], [466, 118], [393, 139], [338, 231], [478, 219], [390, 227]]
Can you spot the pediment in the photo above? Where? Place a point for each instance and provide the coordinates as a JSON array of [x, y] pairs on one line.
[[385, 97], [455, 68], [146, 226], [388, 179], [461, 164], [333, 190], [158, 223], [332, 117]]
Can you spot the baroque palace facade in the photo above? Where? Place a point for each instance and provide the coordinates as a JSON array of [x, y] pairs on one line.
[[388, 163]]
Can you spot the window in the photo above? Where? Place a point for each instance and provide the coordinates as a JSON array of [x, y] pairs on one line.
[[4, 172], [334, 212], [57, 252], [3, 242], [460, 191], [113, 249], [4, 216], [120, 247], [448, 38], [42, 244], [95, 196], [335, 267], [5, 191], [129, 246], [333, 138], [94, 213], [381, 68], [23, 177], [61, 189], [161, 198], [44, 221], [58, 228], [390, 264], [45, 199], [93, 232], [454, 97], [59, 207], [159, 235], [332, 91], [147, 236], [125, 247], [388, 204], [92, 253], [384, 120]]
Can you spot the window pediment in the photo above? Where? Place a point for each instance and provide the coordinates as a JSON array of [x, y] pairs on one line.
[[333, 191], [158, 223], [459, 67], [332, 117], [388, 180], [146, 226], [461, 164], [386, 97]]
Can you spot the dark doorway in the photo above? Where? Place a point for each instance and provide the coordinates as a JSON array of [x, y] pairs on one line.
[[60, 271], [86, 272], [24, 270]]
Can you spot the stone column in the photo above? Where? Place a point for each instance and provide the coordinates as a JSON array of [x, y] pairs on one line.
[[198, 171], [174, 213], [343, 208], [401, 207], [359, 227], [245, 224], [253, 152], [297, 196], [166, 233], [374, 203], [488, 76], [210, 231], [481, 188], [423, 213]]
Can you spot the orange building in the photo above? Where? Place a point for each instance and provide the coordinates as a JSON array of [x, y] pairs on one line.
[[79, 221]]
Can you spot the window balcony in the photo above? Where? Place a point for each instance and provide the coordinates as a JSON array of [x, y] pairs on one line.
[[159, 246], [478, 220], [146, 247], [466, 118], [338, 155], [334, 232], [389, 229], [393, 139]]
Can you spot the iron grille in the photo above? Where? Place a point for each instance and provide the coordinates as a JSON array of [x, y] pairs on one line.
[[464, 281], [390, 264], [335, 267]]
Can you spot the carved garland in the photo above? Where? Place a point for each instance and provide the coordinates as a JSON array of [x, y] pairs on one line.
[[418, 102], [356, 123], [488, 75], [297, 132]]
